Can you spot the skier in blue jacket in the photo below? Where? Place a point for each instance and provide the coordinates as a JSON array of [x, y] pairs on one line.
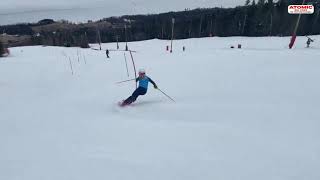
[[142, 89]]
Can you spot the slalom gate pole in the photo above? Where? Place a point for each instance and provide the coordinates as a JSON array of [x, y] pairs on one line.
[[134, 67], [84, 59], [125, 59], [78, 56], [294, 34], [166, 95], [125, 81], [71, 66]]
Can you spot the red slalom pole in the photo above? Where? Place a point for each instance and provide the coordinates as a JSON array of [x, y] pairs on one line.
[[294, 34], [292, 40]]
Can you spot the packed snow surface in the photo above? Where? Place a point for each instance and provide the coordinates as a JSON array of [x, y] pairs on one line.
[[240, 114]]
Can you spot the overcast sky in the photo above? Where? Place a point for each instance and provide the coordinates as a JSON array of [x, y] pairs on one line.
[[126, 4], [12, 11]]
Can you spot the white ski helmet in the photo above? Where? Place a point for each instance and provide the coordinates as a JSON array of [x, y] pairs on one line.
[[142, 71]]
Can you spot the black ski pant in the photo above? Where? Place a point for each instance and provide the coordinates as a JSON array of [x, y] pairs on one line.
[[139, 91]]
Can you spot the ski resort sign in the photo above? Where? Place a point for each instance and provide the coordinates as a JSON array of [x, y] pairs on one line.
[[300, 9]]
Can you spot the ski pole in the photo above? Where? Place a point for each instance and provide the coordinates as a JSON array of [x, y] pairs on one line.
[[310, 38], [125, 81], [166, 95]]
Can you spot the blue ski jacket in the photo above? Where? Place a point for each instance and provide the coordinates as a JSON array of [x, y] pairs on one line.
[[143, 82]]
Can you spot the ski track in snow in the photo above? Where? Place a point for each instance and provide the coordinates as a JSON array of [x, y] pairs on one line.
[[250, 113]]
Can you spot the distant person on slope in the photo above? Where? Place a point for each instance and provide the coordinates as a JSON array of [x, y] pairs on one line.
[[309, 42], [142, 89], [107, 53]]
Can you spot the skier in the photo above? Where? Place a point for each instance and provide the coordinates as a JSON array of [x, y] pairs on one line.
[[142, 89], [107, 53], [309, 41]]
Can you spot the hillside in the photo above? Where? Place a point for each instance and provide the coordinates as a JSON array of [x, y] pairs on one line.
[[250, 113], [265, 18]]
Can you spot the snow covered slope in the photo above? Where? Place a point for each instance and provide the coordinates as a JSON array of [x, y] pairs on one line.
[[240, 114]]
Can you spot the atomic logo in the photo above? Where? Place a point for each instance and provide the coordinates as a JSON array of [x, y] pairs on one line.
[[300, 9]]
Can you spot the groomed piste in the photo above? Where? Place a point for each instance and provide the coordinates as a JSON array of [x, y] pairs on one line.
[[240, 114]]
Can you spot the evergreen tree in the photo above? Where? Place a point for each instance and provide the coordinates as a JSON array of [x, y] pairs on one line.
[[261, 2], [255, 19], [2, 51], [84, 43]]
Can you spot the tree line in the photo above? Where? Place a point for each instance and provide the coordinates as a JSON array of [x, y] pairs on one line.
[[254, 18]]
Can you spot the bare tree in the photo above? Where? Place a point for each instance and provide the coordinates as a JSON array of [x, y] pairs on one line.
[[244, 23], [261, 2], [200, 26], [190, 28]]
